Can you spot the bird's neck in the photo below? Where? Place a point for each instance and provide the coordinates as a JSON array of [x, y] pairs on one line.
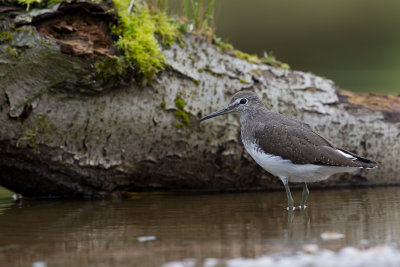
[[250, 114], [245, 117]]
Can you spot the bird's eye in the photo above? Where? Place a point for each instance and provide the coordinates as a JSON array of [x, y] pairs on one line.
[[243, 101]]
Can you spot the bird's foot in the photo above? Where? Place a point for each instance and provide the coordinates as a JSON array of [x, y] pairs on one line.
[[302, 207], [290, 208]]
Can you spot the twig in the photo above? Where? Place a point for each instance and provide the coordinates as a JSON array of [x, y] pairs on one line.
[[130, 6]]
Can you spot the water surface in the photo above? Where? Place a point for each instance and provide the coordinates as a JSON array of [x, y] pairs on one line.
[[191, 226]]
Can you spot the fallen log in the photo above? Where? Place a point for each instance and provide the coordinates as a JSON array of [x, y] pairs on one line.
[[65, 131]]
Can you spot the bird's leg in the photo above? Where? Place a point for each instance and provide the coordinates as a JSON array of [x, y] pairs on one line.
[[306, 218], [289, 196], [290, 218], [304, 196]]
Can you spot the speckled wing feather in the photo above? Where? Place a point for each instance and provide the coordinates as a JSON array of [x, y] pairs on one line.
[[292, 140]]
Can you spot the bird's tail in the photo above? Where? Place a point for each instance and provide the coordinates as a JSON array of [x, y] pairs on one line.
[[361, 162]]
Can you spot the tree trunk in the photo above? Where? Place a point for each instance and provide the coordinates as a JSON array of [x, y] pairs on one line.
[[66, 132]]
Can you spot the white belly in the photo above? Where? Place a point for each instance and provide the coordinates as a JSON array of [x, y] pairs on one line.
[[288, 171]]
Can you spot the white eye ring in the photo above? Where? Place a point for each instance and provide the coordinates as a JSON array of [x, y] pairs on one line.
[[243, 101]]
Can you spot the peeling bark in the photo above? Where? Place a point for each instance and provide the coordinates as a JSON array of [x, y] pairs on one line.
[[81, 29], [65, 133]]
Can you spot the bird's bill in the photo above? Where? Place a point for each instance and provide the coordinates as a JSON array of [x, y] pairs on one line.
[[217, 113]]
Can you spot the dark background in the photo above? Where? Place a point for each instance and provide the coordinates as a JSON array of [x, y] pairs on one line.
[[356, 43]]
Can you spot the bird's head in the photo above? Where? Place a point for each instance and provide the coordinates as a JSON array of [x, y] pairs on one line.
[[241, 103]]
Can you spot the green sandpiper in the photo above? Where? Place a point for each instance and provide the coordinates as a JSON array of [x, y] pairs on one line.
[[288, 148]]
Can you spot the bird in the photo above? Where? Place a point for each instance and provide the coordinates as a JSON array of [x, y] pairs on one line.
[[288, 148]]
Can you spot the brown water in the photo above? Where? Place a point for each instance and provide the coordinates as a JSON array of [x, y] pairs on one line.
[[190, 225]]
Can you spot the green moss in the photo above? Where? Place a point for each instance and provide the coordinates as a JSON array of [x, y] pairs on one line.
[[29, 138], [59, 1], [270, 59], [111, 69], [181, 113], [285, 66], [166, 28], [248, 57], [228, 48], [6, 37], [221, 44], [179, 103], [181, 43], [184, 118], [267, 59], [243, 81], [32, 137], [138, 32], [217, 75], [28, 3], [163, 104], [12, 51]]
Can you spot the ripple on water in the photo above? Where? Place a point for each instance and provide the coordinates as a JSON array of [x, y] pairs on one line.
[[154, 229]]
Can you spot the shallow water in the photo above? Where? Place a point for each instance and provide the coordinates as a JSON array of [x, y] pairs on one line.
[[152, 229]]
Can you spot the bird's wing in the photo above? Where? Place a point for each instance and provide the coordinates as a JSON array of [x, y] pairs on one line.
[[293, 140]]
